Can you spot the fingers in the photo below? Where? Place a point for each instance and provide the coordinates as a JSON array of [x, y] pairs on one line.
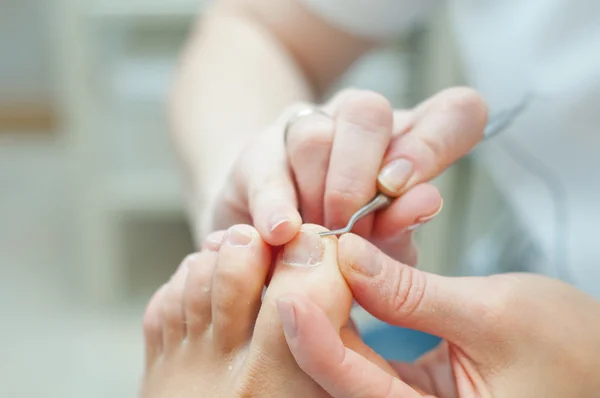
[[335, 159], [392, 228], [319, 352], [451, 308], [446, 127], [271, 194], [418, 206], [363, 124], [432, 372], [309, 147]]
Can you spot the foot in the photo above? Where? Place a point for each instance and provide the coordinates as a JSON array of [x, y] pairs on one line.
[[208, 332]]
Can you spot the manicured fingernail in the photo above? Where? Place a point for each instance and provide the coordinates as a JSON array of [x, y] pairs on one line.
[[240, 235], [424, 220], [396, 174], [305, 250], [430, 217], [287, 315], [276, 221]]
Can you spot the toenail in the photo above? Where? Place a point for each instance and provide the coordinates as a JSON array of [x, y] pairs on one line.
[[240, 235], [305, 250], [214, 241]]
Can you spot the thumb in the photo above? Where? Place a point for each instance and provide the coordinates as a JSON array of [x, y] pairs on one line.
[[450, 308]]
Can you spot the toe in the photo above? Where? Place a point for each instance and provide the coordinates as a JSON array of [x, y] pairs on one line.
[[242, 267], [153, 327], [213, 241], [308, 266], [197, 295], [172, 307]]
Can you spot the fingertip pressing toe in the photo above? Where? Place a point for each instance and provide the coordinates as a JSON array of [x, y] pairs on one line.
[[281, 228], [356, 255]]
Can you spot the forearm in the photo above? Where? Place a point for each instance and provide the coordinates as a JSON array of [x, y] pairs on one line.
[[234, 79]]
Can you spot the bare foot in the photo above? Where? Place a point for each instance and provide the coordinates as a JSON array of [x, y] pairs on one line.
[[209, 334]]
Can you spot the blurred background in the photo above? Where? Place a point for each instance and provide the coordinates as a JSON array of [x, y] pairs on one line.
[[91, 217]]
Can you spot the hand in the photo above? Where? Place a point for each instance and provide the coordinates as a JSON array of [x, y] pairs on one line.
[[513, 335], [330, 167]]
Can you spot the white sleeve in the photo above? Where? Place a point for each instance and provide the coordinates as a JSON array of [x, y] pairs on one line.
[[377, 19]]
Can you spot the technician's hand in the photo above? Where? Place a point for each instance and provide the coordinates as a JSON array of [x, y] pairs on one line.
[[513, 335], [330, 165]]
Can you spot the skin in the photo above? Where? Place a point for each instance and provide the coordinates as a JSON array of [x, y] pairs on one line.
[[244, 96], [210, 332], [513, 335], [228, 111]]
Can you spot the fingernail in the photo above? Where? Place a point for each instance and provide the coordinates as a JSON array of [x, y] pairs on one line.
[[424, 220], [276, 221], [287, 315], [189, 259], [240, 235], [414, 226], [396, 174], [305, 250], [430, 217]]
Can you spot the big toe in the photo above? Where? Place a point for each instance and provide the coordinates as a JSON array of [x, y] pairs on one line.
[[308, 266]]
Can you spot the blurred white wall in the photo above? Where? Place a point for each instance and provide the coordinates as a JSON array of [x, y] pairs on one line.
[[26, 70]]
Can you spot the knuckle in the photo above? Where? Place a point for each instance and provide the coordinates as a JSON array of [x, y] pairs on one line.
[[467, 101], [341, 95], [307, 136], [350, 196], [369, 112], [268, 188], [408, 291], [434, 150]]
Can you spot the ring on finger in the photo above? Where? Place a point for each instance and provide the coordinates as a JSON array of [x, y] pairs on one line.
[[303, 112]]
